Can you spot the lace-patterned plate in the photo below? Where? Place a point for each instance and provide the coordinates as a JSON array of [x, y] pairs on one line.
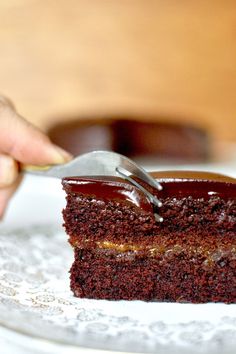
[[36, 302]]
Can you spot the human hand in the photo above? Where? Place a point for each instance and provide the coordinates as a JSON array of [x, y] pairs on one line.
[[21, 142]]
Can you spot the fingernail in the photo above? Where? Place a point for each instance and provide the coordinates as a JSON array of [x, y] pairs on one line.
[[60, 155], [8, 170]]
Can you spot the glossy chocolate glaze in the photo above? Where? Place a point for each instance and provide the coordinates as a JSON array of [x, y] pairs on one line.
[[195, 184], [177, 184], [107, 188]]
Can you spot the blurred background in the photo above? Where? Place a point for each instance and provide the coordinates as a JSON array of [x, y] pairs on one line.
[[62, 58]]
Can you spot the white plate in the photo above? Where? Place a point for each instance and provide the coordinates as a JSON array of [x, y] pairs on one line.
[[38, 313]]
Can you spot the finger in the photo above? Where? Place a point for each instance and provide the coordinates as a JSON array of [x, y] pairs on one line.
[[8, 170], [25, 143], [5, 195]]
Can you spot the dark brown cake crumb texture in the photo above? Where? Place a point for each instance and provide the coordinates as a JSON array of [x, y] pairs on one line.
[[194, 261]]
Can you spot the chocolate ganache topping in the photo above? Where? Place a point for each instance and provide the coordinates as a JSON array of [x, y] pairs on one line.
[[175, 184], [107, 188]]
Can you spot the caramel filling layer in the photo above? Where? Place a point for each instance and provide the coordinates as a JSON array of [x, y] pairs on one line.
[[210, 255], [125, 247]]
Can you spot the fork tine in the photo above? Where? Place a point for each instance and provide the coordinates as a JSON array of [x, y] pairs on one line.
[[127, 168], [154, 200], [138, 171]]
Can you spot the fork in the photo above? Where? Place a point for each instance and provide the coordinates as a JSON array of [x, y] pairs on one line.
[[105, 163]]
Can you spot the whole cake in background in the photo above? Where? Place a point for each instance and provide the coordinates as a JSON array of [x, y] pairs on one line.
[[135, 138], [122, 252]]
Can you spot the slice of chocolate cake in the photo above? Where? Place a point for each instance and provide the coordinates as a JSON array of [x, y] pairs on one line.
[[122, 252]]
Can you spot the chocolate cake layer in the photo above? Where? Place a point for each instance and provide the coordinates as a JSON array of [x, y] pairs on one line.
[[190, 256], [177, 276]]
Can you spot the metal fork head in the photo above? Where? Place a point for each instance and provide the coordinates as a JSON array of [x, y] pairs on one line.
[[128, 169], [113, 163]]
